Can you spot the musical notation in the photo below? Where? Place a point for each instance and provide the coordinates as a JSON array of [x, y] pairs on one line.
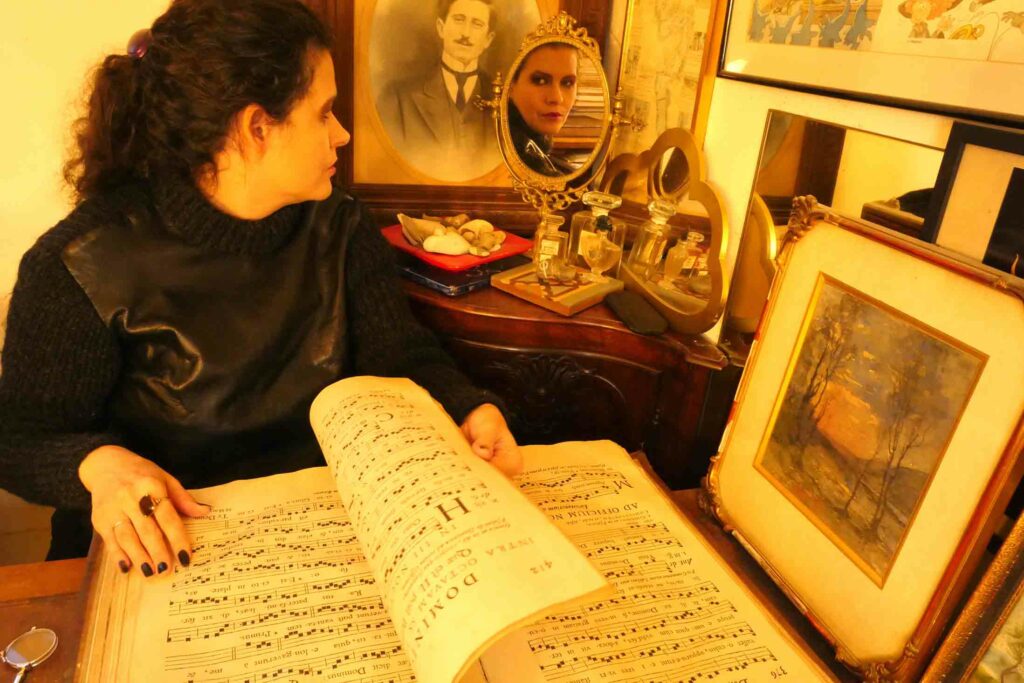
[[281, 592], [666, 621]]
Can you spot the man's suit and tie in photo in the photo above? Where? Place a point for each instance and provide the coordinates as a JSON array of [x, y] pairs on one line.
[[430, 117]]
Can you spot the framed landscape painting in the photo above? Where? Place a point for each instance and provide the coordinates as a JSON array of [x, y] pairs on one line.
[[874, 441]]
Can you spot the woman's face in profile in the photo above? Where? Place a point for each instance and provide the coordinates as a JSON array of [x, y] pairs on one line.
[[545, 89], [301, 152]]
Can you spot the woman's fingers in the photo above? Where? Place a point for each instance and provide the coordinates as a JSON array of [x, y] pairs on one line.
[[128, 540], [174, 530], [124, 563], [153, 540], [150, 495]]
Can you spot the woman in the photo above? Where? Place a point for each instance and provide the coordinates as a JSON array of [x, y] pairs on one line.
[[542, 93], [174, 328]]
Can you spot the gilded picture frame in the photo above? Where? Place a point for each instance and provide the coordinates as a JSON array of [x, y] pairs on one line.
[[874, 441], [987, 641]]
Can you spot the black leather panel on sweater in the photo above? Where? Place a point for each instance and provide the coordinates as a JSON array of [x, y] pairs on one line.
[[223, 351]]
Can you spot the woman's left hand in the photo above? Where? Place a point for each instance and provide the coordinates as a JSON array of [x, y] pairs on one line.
[[490, 438]]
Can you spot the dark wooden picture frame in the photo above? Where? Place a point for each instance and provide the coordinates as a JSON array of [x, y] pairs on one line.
[[501, 205], [1005, 229]]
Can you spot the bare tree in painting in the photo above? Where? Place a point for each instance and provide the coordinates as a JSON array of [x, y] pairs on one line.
[[906, 412], [861, 475], [831, 348]]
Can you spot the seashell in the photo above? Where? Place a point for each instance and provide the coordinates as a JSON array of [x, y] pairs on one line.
[[416, 230], [450, 243], [478, 226], [456, 221]]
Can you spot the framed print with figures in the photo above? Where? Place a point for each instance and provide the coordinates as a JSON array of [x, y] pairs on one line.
[[950, 56]]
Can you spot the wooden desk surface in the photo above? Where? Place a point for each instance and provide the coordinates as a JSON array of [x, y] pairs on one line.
[[50, 594], [491, 315]]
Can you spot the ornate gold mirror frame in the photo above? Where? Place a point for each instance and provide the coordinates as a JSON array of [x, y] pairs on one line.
[[552, 193]]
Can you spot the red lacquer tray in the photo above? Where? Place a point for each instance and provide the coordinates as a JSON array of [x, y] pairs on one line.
[[513, 244]]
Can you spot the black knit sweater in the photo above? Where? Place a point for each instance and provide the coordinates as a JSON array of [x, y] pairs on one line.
[[61, 362]]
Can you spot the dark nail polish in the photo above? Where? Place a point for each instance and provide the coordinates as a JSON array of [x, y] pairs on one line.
[[124, 566], [147, 571], [161, 568], [183, 558]]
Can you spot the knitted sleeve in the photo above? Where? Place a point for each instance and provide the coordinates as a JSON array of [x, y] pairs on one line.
[[386, 339], [60, 363]]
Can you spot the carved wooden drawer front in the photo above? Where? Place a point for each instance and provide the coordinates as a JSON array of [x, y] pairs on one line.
[[580, 378], [561, 395]]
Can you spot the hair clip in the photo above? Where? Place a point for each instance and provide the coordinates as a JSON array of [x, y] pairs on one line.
[[139, 43]]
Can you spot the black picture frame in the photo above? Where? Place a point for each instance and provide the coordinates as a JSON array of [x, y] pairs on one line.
[[1007, 235], [858, 77]]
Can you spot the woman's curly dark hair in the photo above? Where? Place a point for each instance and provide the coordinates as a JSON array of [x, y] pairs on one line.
[[168, 112]]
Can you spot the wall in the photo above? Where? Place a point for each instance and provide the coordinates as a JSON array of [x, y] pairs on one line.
[[736, 125], [46, 48]]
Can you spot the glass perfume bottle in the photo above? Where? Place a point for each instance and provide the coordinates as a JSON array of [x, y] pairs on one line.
[[683, 260], [645, 256], [583, 223], [549, 247], [598, 248]]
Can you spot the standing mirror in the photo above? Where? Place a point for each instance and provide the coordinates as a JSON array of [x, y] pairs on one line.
[[676, 258], [857, 173]]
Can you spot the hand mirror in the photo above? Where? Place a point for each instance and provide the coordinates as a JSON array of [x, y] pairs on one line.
[[554, 113], [29, 650]]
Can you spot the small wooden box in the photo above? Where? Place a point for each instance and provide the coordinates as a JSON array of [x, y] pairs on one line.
[[564, 299]]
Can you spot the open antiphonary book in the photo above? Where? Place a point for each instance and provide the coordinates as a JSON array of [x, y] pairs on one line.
[[409, 558]]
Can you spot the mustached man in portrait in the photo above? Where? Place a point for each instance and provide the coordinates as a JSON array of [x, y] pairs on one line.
[[431, 117]]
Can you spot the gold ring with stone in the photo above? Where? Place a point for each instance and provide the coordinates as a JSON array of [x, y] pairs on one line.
[[147, 505]]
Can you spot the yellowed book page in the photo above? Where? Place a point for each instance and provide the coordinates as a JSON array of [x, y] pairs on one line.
[[278, 590], [678, 613], [460, 555]]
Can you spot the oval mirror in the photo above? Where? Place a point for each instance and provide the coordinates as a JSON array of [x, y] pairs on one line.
[[554, 117]]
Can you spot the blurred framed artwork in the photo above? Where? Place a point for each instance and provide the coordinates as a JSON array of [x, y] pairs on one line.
[[986, 644], [875, 436], [659, 66], [949, 56], [379, 47], [977, 206], [407, 127]]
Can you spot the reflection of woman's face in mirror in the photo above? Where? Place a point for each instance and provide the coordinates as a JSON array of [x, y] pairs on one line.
[[544, 87]]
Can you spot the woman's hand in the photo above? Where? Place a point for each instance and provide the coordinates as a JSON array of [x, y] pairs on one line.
[[118, 480], [490, 438]]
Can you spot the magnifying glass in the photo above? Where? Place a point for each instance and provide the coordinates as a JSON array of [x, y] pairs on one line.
[[29, 650]]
